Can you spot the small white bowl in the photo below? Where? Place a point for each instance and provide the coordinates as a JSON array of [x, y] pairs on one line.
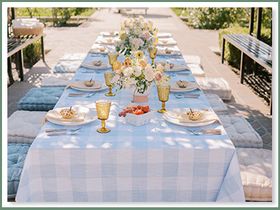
[[138, 120]]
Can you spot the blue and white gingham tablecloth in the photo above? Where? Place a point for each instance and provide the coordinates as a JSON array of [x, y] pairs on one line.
[[157, 162]]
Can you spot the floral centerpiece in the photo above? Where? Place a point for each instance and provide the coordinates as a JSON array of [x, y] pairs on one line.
[[136, 34], [137, 74]]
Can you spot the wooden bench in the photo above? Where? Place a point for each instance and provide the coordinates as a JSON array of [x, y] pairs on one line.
[[257, 50], [15, 47], [131, 8]]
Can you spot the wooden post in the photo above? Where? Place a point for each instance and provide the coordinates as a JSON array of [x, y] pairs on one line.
[[13, 13], [10, 73], [19, 65], [259, 22], [42, 48], [251, 24], [223, 50], [241, 68], [270, 103]]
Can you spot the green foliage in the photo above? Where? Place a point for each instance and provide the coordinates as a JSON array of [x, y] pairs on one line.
[[215, 18], [60, 15], [32, 54], [177, 10]]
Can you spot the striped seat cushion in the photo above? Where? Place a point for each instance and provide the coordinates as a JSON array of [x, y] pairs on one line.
[[214, 85], [16, 157], [241, 133], [40, 99], [256, 173], [216, 103], [24, 126]]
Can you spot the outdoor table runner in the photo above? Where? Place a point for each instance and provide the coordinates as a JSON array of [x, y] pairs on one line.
[[157, 162]]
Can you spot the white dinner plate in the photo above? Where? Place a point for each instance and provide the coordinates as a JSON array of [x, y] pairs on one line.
[[176, 121], [88, 115], [103, 87], [191, 87]]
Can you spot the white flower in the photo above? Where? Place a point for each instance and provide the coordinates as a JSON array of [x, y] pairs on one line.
[[115, 78], [136, 43], [128, 82], [160, 67], [131, 81], [127, 72], [149, 73], [137, 71]]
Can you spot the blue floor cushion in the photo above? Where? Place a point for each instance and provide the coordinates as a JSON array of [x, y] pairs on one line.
[[40, 99], [16, 156]]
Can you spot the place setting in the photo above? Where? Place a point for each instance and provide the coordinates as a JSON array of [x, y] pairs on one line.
[[181, 86], [166, 41], [71, 116], [106, 40], [172, 65], [167, 51], [96, 64], [99, 49], [109, 33]]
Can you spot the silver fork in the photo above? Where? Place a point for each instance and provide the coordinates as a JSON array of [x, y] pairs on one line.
[[87, 95], [58, 132], [205, 132]]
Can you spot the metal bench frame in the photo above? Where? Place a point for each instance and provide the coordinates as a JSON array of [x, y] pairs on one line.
[[17, 49], [253, 48]]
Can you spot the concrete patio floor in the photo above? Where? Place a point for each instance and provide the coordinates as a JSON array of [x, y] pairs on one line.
[[191, 41]]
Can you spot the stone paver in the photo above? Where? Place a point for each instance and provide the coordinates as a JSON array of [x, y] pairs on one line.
[[190, 41]]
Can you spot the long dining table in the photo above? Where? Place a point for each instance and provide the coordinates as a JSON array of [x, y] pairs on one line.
[[156, 162]]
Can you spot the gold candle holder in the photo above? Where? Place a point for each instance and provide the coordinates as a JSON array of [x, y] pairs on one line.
[[112, 56], [152, 54], [163, 96], [103, 111], [108, 77]]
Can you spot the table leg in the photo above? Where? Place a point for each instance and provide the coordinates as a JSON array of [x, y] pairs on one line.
[[223, 50], [270, 103], [241, 68], [42, 48], [19, 64], [10, 73]]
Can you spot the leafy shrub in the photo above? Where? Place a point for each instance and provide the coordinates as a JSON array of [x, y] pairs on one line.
[[215, 18], [32, 54], [60, 15]]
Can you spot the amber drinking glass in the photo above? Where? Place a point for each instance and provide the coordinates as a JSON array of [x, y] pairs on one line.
[[108, 77], [163, 96], [152, 54], [112, 56], [103, 111]]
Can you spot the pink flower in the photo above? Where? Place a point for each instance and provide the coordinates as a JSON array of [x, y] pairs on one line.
[[158, 76]]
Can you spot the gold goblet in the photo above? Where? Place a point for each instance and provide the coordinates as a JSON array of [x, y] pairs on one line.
[[163, 96], [108, 77], [103, 110], [112, 56], [153, 54]]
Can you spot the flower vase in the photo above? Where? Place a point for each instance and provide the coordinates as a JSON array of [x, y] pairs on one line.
[[141, 97]]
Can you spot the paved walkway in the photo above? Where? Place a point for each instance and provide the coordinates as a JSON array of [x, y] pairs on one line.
[[196, 42]]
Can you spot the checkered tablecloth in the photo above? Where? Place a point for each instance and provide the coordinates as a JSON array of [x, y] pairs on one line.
[[157, 162]]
